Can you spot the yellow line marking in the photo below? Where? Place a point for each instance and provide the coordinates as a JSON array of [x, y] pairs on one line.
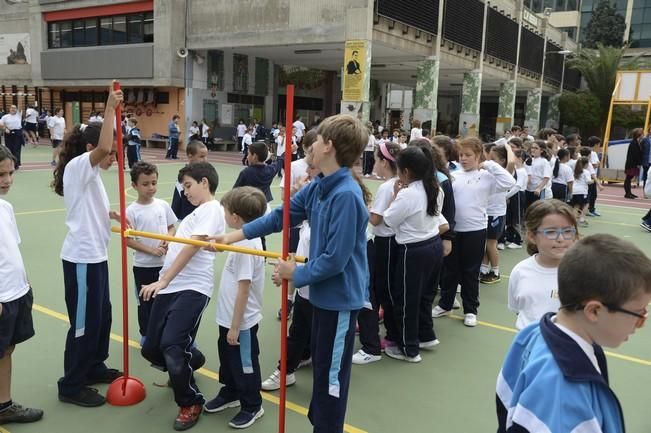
[[3, 430], [632, 359], [203, 371]]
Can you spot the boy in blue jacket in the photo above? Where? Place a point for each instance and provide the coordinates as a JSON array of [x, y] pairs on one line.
[[555, 377], [337, 272]]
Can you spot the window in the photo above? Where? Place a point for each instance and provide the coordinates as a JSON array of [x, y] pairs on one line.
[[119, 29]]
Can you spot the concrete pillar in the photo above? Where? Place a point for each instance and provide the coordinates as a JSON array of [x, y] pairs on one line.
[[553, 112], [506, 107], [356, 73], [532, 110], [427, 88], [470, 99]]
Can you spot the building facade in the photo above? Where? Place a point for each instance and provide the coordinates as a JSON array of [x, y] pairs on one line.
[[492, 65]]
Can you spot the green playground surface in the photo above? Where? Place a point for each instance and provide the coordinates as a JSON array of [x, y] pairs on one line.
[[451, 391]]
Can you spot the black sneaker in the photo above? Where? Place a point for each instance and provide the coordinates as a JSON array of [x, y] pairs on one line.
[[290, 306], [107, 377], [245, 419], [19, 414], [87, 397], [219, 404]]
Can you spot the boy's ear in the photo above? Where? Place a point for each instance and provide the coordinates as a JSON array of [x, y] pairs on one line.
[[205, 182], [592, 309]]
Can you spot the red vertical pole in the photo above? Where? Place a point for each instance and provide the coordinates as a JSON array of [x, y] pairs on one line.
[[123, 241], [289, 120]]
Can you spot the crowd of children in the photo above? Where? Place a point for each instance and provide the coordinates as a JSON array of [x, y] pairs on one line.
[[437, 220]]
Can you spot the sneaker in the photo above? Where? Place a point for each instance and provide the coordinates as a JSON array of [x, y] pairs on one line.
[[367, 175], [583, 223], [19, 414], [273, 382], [187, 417], [514, 246], [429, 345], [455, 306], [362, 357], [500, 246], [396, 353], [87, 397], [483, 277], [646, 226], [245, 419], [290, 306], [304, 363], [384, 343], [440, 312], [490, 278], [107, 377], [470, 320], [219, 404], [594, 213]]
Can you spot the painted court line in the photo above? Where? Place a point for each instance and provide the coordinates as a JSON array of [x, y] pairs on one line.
[[204, 372], [632, 359]]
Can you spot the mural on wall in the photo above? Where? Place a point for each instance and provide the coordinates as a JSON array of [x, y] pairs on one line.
[[215, 71], [240, 73], [14, 49], [302, 78]]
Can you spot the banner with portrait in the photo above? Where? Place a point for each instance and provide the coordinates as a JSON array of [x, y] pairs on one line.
[[355, 70]]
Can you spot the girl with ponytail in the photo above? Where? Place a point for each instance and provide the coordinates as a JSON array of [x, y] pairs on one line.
[[415, 216]]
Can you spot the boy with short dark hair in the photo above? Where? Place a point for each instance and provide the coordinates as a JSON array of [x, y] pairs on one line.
[[258, 174], [593, 142], [555, 376], [133, 142], [148, 214], [16, 298], [239, 310], [182, 293], [337, 271], [196, 152]]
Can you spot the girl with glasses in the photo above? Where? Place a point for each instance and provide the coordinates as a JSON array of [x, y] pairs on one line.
[[551, 229]]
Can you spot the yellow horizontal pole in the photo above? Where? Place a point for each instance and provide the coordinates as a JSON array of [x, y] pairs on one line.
[[203, 244]]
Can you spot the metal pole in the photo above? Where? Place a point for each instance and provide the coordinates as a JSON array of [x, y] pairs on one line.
[[563, 73], [483, 44], [439, 30]]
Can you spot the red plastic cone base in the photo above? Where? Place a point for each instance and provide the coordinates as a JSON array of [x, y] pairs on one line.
[[126, 391]]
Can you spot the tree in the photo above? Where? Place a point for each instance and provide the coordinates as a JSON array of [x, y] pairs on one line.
[[599, 70], [605, 27], [580, 109]]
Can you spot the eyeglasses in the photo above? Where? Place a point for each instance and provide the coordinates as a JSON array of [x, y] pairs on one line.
[[641, 317], [568, 233]]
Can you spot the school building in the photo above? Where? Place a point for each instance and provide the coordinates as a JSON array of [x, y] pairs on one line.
[[476, 67]]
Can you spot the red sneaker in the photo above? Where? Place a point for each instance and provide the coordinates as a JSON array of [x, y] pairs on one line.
[[187, 417]]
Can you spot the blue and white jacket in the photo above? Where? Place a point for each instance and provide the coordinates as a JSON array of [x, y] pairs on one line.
[[337, 271], [548, 385]]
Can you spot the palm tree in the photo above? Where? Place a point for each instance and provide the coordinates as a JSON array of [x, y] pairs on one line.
[[599, 70]]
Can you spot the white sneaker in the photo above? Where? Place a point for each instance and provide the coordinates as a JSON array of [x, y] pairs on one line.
[[273, 383], [458, 288], [396, 353], [367, 175], [429, 345], [470, 320], [456, 305], [304, 363], [500, 246], [440, 312], [514, 246], [362, 357]]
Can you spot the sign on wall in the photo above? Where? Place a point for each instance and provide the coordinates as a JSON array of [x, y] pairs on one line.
[[355, 69], [14, 49]]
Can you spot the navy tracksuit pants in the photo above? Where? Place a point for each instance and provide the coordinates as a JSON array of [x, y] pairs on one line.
[[89, 312], [172, 328]]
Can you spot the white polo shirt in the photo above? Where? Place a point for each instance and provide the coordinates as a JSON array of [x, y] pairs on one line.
[[13, 278]]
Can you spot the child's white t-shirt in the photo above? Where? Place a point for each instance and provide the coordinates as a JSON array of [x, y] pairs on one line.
[[370, 144], [87, 213], [241, 130], [415, 134], [204, 130], [580, 185], [523, 178], [58, 126], [198, 274], [300, 128], [246, 140], [280, 145], [240, 267], [303, 250], [297, 171], [565, 174], [533, 291], [408, 216], [31, 115], [154, 217], [383, 198], [540, 169], [13, 278]]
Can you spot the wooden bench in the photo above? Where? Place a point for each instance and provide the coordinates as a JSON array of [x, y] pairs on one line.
[[160, 143]]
